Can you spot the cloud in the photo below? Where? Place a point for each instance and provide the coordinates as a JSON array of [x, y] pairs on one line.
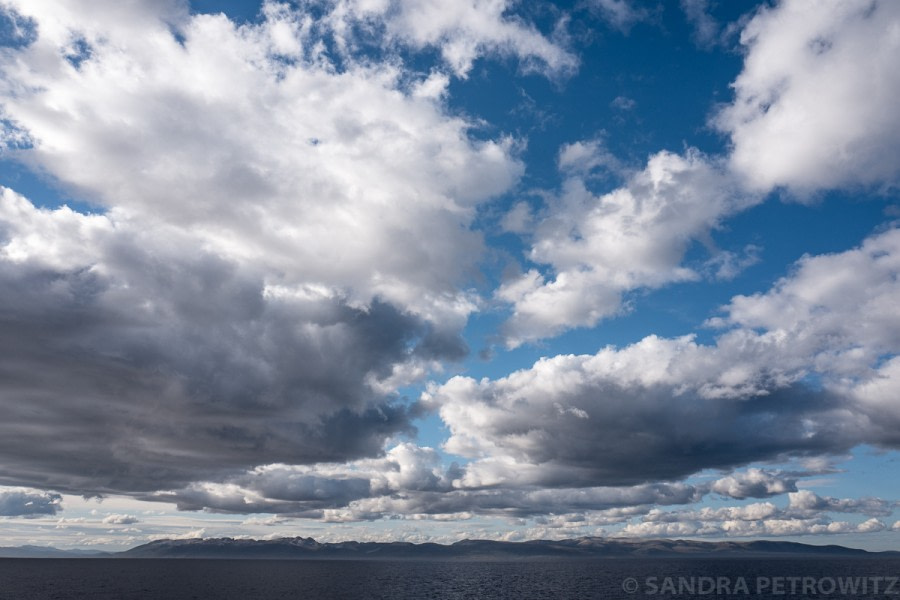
[[706, 28], [18, 502], [806, 514], [120, 520], [284, 236], [741, 528], [304, 491], [836, 311], [312, 173], [411, 482], [156, 364], [806, 368], [279, 242], [621, 14], [813, 106], [634, 399], [809, 120], [749, 512], [587, 157], [597, 248], [461, 31], [600, 504], [806, 501], [623, 103], [754, 483], [194, 534]]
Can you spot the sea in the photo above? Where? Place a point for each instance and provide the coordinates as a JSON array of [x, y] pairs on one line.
[[609, 579]]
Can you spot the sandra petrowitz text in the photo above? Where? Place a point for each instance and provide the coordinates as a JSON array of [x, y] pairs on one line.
[[769, 586]]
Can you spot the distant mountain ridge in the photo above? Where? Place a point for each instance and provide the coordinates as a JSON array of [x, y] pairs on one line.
[[586, 547], [299, 548], [49, 552]]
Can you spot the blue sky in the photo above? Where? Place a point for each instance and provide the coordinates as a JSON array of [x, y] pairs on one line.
[[368, 269]]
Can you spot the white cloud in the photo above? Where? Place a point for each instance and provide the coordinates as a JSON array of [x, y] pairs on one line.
[[600, 247], [750, 512], [338, 178], [814, 105], [120, 519], [836, 311], [461, 31], [581, 158], [194, 534], [738, 528], [754, 483], [804, 516]]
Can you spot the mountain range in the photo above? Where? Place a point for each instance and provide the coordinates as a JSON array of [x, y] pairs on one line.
[[586, 547]]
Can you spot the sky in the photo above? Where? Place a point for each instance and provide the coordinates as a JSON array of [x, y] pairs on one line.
[[424, 270]]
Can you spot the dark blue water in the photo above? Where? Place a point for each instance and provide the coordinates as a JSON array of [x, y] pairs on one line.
[[177, 579]]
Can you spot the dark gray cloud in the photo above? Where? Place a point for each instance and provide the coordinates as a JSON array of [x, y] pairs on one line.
[[617, 435], [154, 365]]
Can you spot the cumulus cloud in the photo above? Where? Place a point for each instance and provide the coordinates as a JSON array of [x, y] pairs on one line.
[[629, 415], [284, 236], [814, 104], [836, 310], [754, 483], [597, 248], [806, 514], [20, 502], [634, 399], [156, 364], [316, 174], [805, 116], [280, 242], [741, 528], [120, 520]]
